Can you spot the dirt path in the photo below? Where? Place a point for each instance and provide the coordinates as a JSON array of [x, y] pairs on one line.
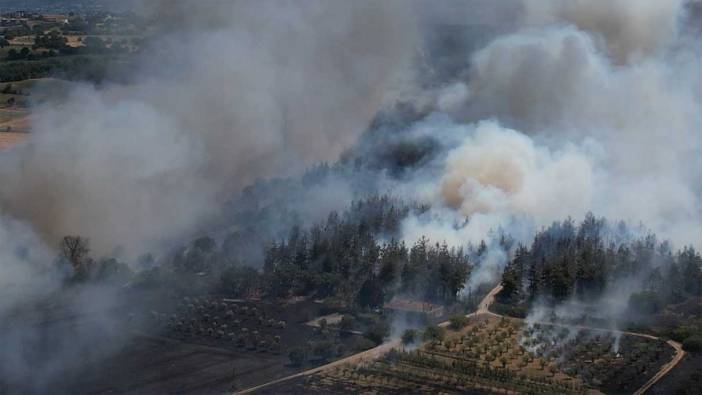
[[679, 354], [483, 309], [374, 353], [368, 355]]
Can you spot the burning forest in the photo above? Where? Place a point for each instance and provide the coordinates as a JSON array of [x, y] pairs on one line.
[[292, 197]]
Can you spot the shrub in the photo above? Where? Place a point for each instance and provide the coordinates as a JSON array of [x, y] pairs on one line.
[[363, 344], [298, 356], [682, 332], [434, 334], [693, 343], [347, 323], [458, 322], [377, 332], [409, 336], [509, 310], [645, 302], [323, 349]]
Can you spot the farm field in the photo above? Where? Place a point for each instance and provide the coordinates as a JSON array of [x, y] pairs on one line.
[[149, 365], [252, 326], [152, 355], [250, 330], [500, 355], [7, 140], [16, 97], [17, 100]]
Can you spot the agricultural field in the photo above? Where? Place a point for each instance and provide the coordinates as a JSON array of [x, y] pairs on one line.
[[278, 333], [493, 355], [612, 364], [20, 95], [16, 101], [7, 140]]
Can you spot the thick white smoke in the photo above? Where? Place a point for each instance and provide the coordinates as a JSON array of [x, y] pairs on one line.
[[584, 133], [501, 170], [225, 93], [583, 108], [624, 28], [576, 106]]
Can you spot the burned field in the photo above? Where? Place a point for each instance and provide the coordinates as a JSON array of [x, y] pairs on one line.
[[213, 344], [611, 363], [150, 365], [500, 355], [152, 349], [265, 328], [684, 379], [226, 323]]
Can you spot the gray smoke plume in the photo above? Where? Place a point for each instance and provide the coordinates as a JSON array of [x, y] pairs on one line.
[[225, 93], [571, 128], [536, 110]]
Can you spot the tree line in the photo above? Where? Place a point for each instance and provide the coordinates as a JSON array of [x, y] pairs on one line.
[[567, 260], [356, 258]]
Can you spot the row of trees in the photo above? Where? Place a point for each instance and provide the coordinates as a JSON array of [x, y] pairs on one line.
[[353, 257], [345, 258], [75, 254], [82, 67], [568, 260]]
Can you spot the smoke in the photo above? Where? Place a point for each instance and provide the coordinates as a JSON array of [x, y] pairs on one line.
[[25, 265], [621, 27], [572, 129], [500, 170], [547, 110], [225, 93]]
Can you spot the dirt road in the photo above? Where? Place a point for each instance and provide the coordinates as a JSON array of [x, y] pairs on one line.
[[484, 306], [679, 354], [368, 355], [483, 309], [374, 353]]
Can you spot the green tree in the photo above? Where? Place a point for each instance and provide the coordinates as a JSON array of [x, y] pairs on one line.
[[409, 336], [323, 349], [347, 323], [377, 332], [458, 321], [298, 356], [75, 250], [693, 344], [434, 334]]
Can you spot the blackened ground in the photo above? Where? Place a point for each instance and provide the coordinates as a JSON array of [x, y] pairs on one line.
[[684, 379], [127, 355], [303, 385]]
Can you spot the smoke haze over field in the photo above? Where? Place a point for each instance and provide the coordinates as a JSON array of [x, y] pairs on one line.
[[537, 110]]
